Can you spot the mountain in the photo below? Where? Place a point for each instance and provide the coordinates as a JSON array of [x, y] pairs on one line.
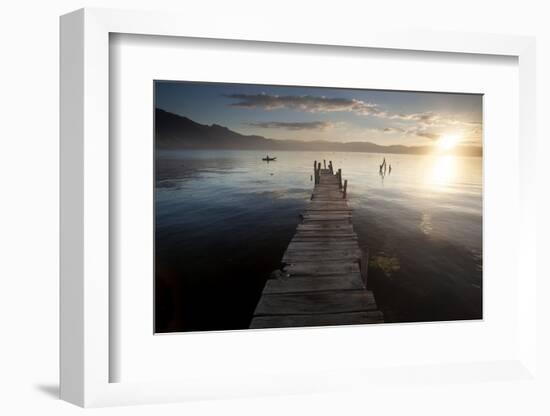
[[177, 132]]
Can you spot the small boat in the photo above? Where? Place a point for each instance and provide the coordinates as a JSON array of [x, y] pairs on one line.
[[269, 159]]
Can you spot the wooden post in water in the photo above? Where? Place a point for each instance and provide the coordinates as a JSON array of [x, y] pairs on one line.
[[339, 178], [345, 188], [330, 166], [324, 164], [315, 171]]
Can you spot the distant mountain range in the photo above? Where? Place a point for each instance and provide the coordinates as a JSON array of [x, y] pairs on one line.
[[177, 132]]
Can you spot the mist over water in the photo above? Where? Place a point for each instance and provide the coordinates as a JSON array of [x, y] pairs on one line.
[[225, 218]]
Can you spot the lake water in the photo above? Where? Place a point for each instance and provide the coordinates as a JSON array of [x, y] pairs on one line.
[[224, 219]]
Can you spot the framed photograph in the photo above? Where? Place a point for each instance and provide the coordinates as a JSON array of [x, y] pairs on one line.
[[310, 204], [249, 235]]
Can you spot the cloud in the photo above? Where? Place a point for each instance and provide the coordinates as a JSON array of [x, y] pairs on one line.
[[321, 104], [428, 118], [423, 124], [311, 125], [421, 131], [426, 134], [393, 130], [308, 103]]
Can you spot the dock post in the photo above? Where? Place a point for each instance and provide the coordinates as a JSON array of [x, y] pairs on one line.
[[315, 171], [324, 164], [330, 166], [345, 188], [339, 178]]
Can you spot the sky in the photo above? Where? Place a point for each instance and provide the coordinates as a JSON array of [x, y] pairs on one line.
[[328, 114]]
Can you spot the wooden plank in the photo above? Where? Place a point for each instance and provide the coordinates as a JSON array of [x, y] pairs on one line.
[[327, 212], [316, 256], [323, 240], [326, 220], [335, 301], [286, 321], [335, 195], [295, 246], [326, 217], [306, 284], [325, 227], [326, 207], [337, 249], [309, 221], [330, 234], [323, 234], [321, 269], [329, 254], [336, 202]]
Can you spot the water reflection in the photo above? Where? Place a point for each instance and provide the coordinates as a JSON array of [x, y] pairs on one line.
[[426, 223], [443, 170]]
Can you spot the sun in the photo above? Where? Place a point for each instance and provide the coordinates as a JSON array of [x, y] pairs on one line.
[[448, 141]]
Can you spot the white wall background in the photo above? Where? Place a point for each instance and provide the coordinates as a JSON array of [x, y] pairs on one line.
[[29, 205]]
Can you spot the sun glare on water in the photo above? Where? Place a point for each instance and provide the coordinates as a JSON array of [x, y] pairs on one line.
[[443, 170]]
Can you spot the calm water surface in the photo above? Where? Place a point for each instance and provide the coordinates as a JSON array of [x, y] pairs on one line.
[[224, 219]]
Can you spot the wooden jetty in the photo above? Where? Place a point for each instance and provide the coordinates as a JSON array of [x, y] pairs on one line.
[[324, 277]]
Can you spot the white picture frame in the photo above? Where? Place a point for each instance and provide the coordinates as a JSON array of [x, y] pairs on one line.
[[85, 164]]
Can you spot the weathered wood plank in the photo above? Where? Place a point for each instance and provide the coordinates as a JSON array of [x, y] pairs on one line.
[[327, 194], [316, 256], [334, 301], [327, 206], [323, 240], [326, 212], [321, 246], [308, 249], [321, 283], [323, 208], [326, 226], [324, 234], [322, 269], [345, 221], [287, 321], [326, 217]]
